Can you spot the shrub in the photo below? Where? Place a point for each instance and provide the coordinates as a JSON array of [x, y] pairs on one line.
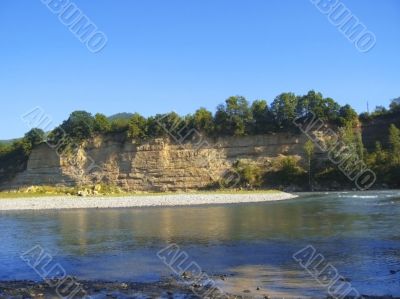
[[250, 174]]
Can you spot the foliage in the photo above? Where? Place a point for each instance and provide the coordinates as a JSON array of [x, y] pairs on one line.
[[263, 120], [395, 105], [236, 117], [79, 126], [386, 162], [14, 157], [250, 174], [283, 109], [309, 149], [352, 138], [381, 111], [394, 140], [313, 102], [119, 125], [169, 124], [233, 117], [347, 116], [101, 123], [202, 120], [286, 172], [138, 127]]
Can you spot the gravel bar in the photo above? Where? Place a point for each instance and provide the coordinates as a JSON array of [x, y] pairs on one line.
[[69, 202]]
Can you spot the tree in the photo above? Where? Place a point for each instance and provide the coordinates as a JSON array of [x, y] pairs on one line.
[[203, 121], [352, 138], [35, 137], [309, 149], [119, 125], [101, 123], [347, 115], [262, 117], [395, 105], [311, 102], [79, 126], [137, 127], [234, 117], [284, 110], [169, 124], [394, 140]]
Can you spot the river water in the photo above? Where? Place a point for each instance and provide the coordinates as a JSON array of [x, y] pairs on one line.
[[253, 244]]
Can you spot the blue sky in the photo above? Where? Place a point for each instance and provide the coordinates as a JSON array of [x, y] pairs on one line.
[[179, 55]]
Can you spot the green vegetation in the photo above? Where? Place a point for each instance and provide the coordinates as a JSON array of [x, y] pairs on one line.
[[386, 162], [235, 117], [309, 149], [14, 156], [384, 159]]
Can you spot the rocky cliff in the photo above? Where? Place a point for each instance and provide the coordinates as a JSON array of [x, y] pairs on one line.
[[156, 165]]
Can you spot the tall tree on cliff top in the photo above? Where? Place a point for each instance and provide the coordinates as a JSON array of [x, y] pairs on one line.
[[138, 127], [34, 137], [284, 110], [395, 105], [79, 125], [348, 116], [262, 119], [234, 117], [101, 123], [202, 120]]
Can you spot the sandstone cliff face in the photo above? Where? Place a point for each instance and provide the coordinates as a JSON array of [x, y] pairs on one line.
[[156, 165]]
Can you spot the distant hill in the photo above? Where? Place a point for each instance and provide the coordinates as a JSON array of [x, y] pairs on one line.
[[8, 141], [123, 115]]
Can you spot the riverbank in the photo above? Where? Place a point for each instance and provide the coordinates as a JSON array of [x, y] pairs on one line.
[[158, 200], [102, 289]]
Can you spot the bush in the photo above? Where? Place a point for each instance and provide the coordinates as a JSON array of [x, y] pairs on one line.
[[286, 172], [251, 175]]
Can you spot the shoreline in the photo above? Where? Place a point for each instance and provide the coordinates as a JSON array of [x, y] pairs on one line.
[[161, 289], [137, 201]]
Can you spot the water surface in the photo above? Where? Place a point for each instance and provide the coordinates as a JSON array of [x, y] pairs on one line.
[[358, 233]]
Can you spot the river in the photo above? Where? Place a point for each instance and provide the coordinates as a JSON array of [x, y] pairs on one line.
[[253, 244]]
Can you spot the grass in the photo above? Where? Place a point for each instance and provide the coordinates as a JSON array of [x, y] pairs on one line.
[[111, 191]]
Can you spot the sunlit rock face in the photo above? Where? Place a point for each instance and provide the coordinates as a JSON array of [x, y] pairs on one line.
[[153, 165]]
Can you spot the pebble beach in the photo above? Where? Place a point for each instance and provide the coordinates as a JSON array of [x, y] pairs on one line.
[[69, 202]]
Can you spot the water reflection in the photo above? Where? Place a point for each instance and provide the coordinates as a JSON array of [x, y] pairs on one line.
[[358, 233], [85, 231]]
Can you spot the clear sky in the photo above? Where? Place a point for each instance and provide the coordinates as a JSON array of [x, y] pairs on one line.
[[178, 55]]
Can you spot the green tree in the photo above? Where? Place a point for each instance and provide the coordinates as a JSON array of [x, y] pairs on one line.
[[101, 123], [352, 138], [250, 174], [34, 137], [284, 110], [137, 127], [394, 140], [203, 121], [79, 126], [325, 109], [309, 149], [347, 115], [169, 124], [234, 117], [119, 125], [263, 121], [395, 105]]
